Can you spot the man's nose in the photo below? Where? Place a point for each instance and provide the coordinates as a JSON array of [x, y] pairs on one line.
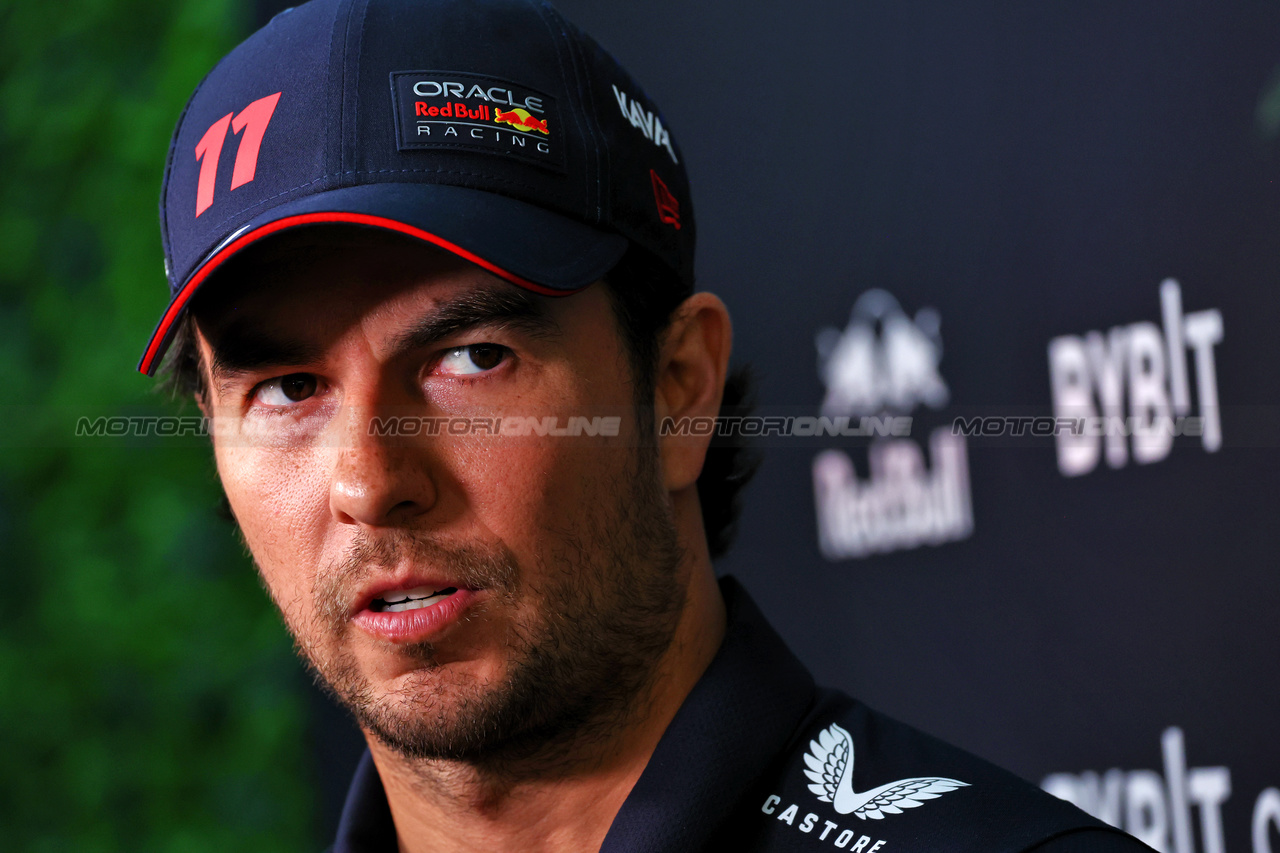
[[380, 479]]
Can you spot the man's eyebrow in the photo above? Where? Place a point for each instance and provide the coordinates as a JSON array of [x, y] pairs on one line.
[[503, 307], [243, 347]]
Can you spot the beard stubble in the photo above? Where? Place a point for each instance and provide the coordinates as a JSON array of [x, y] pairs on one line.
[[607, 604]]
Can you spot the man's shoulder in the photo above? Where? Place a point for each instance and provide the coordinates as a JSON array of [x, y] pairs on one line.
[[851, 778]]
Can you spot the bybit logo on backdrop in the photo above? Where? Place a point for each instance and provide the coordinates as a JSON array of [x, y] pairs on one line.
[[1151, 363], [885, 361], [1160, 808]]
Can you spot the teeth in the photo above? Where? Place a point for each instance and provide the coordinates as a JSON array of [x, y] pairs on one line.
[[398, 595], [399, 600], [413, 603]]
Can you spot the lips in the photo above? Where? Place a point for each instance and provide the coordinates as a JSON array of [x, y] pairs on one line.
[[412, 611]]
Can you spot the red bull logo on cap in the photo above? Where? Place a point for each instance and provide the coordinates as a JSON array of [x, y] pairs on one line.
[[521, 120]]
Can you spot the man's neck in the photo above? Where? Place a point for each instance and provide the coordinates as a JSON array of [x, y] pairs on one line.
[[446, 806]]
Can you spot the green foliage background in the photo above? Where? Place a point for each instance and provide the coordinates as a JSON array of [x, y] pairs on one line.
[[148, 696]]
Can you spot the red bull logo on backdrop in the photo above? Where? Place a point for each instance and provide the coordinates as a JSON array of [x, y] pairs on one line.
[[885, 362]]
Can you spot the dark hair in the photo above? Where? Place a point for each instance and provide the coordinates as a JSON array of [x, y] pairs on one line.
[[645, 296]]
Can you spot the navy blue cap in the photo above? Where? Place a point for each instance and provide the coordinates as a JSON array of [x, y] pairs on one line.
[[493, 129]]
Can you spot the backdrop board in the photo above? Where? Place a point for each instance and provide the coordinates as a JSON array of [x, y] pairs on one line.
[[1023, 260]]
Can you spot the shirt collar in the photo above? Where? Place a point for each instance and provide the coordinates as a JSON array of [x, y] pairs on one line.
[[366, 825], [730, 727]]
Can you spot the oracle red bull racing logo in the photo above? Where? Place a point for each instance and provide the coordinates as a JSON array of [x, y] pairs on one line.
[[438, 109]]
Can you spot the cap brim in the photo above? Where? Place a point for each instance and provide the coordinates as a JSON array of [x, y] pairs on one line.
[[527, 245]]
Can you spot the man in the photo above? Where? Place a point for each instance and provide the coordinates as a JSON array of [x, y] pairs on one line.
[[431, 267]]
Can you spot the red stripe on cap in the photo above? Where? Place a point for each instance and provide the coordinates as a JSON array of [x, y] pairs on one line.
[[180, 301]]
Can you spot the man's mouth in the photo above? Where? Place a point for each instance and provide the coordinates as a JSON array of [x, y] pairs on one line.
[[412, 614], [400, 600]]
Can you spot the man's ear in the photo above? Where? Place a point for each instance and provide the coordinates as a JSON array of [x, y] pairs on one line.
[[690, 383], [202, 402]]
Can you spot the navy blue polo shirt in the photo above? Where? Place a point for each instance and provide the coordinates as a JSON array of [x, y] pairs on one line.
[[760, 759]]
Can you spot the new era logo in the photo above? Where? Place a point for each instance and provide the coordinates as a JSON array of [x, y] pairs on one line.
[[668, 207]]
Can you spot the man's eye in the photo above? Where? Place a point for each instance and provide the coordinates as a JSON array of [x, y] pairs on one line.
[[468, 360], [286, 390]]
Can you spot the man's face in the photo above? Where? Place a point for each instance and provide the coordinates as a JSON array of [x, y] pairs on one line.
[[466, 593]]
